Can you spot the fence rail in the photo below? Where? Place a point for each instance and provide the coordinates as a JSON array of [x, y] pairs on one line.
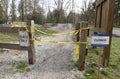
[[13, 46]]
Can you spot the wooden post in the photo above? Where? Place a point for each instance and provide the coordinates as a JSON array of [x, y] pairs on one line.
[[77, 39], [104, 23], [83, 38], [99, 62], [78, 34], [110, 20], [31, 51]]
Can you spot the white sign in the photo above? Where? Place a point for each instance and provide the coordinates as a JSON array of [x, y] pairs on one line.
[[24, 38], [100, 40]]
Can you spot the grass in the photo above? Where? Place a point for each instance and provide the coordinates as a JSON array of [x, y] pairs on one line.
[[116, 28], [14, 37], [8, 37], [22, 67], [111, 72]]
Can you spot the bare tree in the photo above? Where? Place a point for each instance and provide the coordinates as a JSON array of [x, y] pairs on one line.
[[84, 11], [13, 10], [21, 9], [59, 11], [25, 8], [4, 8]]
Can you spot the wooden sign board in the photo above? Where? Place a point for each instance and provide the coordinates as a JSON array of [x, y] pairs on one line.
[[104, 23], [24, 38], [100, 40], [104, 15]]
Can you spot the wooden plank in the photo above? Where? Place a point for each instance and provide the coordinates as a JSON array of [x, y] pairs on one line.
[[104, 16], [31, 51], [97, 22], [100, 16], [5, 25], [9, 29], [12, 46], [99, 2], [83, 38], [110, 20], [99, 30]]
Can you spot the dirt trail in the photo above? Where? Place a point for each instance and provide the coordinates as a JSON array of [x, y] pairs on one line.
[[53, 61]]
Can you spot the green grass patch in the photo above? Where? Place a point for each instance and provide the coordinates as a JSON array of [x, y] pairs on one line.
[[8, 37], [116, 28], [22, 67], [90, 73]]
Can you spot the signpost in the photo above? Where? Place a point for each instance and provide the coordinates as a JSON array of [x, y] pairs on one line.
[[104, 21], [100, 40]]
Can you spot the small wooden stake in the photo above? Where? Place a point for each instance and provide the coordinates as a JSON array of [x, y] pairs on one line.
[[99, 60]]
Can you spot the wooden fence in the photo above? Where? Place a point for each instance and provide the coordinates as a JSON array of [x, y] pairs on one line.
[[30, 48]]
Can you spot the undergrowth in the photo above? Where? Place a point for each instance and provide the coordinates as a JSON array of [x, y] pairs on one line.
[[22, 67], [110, 72]]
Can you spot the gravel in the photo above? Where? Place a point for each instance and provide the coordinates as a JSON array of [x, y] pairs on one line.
[[53, 61]]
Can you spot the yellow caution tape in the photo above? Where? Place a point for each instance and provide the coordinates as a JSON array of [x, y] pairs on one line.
[[56, 34], [33, 42], [41, 31], [65, 33], [84, 28], [17, 26], [77, 52], [27, 29], [57, 42]]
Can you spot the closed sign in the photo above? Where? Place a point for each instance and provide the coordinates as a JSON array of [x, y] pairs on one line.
[[23, 38], [100, 40]]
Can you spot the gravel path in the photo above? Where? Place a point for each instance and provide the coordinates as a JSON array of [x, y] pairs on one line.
[[53, 61]]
